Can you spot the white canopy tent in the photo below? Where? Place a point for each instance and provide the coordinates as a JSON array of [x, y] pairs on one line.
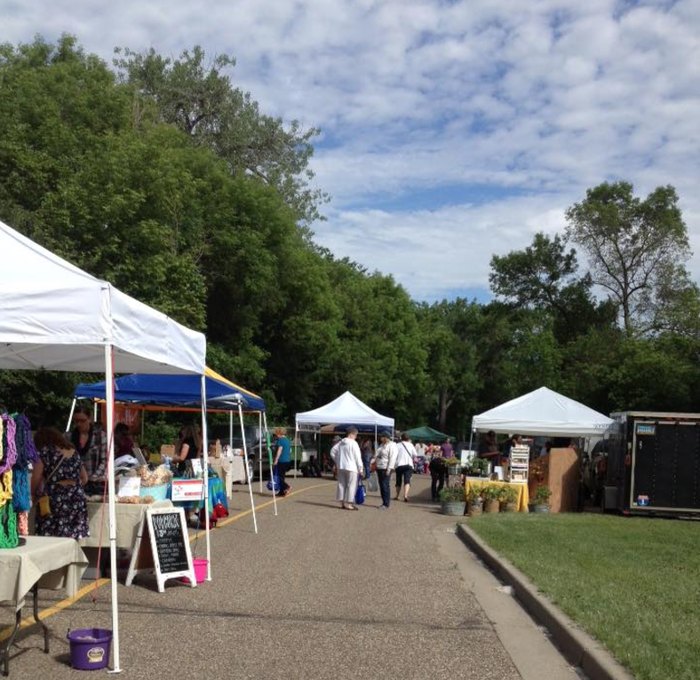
[[347, 410], [543, 412], [57, 317]]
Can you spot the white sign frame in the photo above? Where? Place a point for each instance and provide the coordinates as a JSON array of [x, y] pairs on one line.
[[147, 526], [191, 490]]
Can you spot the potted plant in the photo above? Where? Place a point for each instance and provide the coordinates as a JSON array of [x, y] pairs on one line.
[[509, 499], [541, 498], [452, 499], [475, 502], [479, 467], [491, 495], [454, 467]]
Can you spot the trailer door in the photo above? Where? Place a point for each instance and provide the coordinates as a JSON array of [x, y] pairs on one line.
[[665, 465]]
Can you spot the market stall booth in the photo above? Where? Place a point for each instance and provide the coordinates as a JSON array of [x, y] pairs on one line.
[[181, 392], [426, 434], [347, 410], [57, 317], [550, 414]]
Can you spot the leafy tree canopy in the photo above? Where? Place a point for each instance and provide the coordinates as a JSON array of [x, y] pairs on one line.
[[636, 248], [199, 98]]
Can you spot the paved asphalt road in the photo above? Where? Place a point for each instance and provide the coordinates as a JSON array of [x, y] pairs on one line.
[[318, 593]]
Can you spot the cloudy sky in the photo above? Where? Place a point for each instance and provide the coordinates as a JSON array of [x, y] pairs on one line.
[[450, 130]]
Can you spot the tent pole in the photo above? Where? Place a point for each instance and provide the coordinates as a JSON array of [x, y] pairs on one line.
[[294, 450], [260, 474], [205, 453], [109, 389], [269, 456], [70, 415], [260, 442], [250, 481]]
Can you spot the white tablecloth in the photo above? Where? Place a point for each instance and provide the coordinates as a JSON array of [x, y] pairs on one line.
[[51, 562], [128, 521]]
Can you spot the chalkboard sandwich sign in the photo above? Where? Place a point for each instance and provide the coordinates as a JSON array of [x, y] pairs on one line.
[[170, 555]]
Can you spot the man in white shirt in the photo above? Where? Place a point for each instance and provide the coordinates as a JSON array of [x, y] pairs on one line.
[[348, 460]]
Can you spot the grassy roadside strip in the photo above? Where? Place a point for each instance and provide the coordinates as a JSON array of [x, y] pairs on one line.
[[634, 584]]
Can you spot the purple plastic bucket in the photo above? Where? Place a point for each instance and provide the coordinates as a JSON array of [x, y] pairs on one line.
[[89, 648]]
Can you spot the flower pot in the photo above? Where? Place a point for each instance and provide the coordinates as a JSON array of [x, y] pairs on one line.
[[455, 508], [454, 470], [539, 507], [509, 507], [475, 509], [492, 505]]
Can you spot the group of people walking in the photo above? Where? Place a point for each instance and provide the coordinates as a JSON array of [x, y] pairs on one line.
[[354, 464]]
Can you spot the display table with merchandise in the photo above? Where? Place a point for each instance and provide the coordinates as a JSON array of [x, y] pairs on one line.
[[42, 562], [128, 515], [521, 487]]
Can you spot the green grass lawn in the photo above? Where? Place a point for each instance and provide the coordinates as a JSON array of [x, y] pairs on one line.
[[633, 583]]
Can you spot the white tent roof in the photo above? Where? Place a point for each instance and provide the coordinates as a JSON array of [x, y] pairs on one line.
[[543, 412], [56, 316], [346, 409]]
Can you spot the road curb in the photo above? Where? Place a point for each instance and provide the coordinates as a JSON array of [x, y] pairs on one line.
[[579, 648]]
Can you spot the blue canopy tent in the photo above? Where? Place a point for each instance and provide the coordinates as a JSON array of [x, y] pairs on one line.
[[174, 390], [184, 391]]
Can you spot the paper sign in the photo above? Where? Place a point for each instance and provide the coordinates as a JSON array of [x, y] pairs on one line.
[[196, 466], [187, 489], [466, 456], [129, 486]]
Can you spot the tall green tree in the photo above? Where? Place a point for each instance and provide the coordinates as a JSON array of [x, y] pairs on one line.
[[125, 202], [636, 248], [450, 329], [544, 276], [199, 98]]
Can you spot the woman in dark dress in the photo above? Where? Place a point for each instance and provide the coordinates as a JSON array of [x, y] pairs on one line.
[[188, 447], [61, 475]]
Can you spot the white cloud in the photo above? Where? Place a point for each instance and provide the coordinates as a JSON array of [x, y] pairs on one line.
[[542, 99]]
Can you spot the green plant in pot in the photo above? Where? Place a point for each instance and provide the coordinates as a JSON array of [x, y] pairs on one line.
[[452, 499], [491, 496], [479, 467], [454, 466], [508, 498], [475, 502], [541, 498]]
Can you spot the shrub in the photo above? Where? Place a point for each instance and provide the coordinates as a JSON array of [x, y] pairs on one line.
[[474, 493], [508, 494], [542, 495], [452, 494]]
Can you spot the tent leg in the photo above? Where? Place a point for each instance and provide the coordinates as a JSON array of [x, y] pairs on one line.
[[250, 481], [205, 489], [269, 456], [70, 415], [109, 389]]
